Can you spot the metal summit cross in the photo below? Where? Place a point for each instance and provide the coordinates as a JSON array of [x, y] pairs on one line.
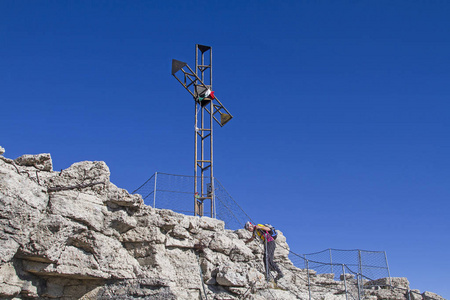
[[207, 109]]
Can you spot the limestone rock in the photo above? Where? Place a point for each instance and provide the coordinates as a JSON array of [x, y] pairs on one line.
[[10, 283], [42, 162], [179, 232], [240, 252], [144, 234], [51, 235], [2, 150], [81, 207], [180, 243], [22, 204], [82, 175], [119, 221], [230, 274], [221, 243], [211, 224], [400, 282], [120, 197], [415, 295], [431, 296], [75, 235], [346, 277]]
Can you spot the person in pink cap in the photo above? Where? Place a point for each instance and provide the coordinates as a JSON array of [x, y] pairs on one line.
[[262, 232]]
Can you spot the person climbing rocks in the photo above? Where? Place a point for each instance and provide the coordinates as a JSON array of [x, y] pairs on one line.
[[263, 234]]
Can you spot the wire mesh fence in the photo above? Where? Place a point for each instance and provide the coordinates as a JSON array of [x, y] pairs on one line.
[[358, 271], [371, 264], [229, 210], [176, 192]]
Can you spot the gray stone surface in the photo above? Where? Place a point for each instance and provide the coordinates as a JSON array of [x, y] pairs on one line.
[[431, 296], [42, 162], [74, 235]]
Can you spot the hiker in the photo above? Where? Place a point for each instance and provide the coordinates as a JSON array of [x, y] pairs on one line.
[[262, 232]]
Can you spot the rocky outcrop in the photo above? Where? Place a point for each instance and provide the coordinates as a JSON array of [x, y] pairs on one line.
[[74, 235]]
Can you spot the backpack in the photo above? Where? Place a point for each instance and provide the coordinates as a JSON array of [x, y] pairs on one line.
[[273, 233]]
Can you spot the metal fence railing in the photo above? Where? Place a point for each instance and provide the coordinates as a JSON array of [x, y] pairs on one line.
[[176, 192], [356, 270], [372, 264]]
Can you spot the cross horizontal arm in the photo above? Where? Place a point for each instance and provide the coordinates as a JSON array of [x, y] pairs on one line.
[[191, 82]]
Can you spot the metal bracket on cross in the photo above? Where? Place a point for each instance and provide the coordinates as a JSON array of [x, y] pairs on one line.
[[201, 92]]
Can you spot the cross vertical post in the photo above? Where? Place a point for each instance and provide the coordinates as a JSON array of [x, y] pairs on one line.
[[203, 133], [207, 110]]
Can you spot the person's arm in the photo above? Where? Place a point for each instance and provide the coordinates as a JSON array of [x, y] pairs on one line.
[[262, 227], [251, 238]]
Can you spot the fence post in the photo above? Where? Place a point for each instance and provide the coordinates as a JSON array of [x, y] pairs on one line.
[[387, 266], [267, 259], [309, 282], [345, 282], [154, 191], [304, 260], [331, 261], [359, 288], [213, 196], [360, 272], [359, 262], [201, 275]]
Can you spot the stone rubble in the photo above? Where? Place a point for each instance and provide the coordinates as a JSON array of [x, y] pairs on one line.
[[72, 234]]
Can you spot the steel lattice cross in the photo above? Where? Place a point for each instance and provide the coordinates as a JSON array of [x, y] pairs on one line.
[[207, 109]]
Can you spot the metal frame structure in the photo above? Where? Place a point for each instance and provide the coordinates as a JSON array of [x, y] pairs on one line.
[[207, 109]]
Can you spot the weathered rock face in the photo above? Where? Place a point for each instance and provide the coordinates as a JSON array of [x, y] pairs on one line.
[[74, 235]]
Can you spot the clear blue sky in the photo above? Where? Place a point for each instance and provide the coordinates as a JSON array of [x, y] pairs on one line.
[[341, 110]]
